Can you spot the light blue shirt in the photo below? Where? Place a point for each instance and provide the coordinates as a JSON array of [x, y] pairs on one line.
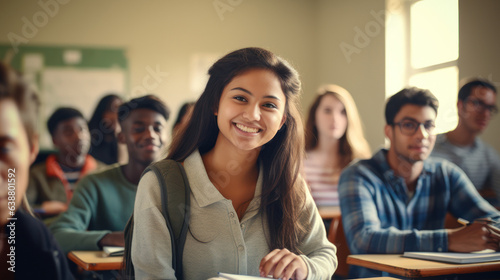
[[379, 216]]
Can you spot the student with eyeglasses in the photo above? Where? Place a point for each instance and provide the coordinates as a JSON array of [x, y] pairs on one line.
[[397, 201], [476, 106]]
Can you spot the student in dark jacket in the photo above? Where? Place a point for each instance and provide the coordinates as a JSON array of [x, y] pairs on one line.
[[27, 249]]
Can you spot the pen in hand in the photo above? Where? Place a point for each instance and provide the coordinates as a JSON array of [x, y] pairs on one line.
[[486, 221], [463, 221]]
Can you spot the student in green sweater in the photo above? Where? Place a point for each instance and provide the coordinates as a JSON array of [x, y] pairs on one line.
[[103, 202]]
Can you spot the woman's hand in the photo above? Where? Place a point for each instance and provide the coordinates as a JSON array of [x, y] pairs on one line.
[[281, 263]]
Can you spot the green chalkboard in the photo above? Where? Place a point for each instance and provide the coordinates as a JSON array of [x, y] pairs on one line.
[[54, 56]]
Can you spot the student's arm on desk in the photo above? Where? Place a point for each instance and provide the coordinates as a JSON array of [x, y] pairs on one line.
[[116, 239], [474, 237], [465, 202], [70, 229], [494, 180]]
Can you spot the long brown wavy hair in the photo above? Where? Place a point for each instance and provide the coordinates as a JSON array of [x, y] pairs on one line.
[[283, 195], [353, 143]]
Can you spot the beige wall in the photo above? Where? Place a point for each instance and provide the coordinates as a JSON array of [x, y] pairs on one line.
[[479, 50], [361, 72], [309, 33], [167, 33]]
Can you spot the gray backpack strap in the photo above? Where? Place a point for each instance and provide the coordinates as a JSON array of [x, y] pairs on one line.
[[175, 197]]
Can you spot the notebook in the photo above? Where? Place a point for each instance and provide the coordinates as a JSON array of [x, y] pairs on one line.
[[113, 251], [239, 277], [450, 257]]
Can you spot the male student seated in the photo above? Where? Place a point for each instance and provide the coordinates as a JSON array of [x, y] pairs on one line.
[[397, 200], [52, 182], [104, 201], [476, 106]]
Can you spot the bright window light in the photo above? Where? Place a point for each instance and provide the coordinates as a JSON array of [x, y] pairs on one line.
[[443, 83], [434, 32], [395, 52]]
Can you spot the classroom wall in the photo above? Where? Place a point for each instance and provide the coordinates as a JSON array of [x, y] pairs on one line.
[[328, 41], [351, 43], [479, 50], [165, 35]]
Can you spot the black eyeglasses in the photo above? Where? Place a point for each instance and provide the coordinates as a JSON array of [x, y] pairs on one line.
[[479, 106], [409, 127]]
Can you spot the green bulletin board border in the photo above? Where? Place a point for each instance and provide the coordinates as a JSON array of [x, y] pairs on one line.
[[53, 56]]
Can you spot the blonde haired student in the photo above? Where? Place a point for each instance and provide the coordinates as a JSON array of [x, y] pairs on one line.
[[334, 138], [251, 212]]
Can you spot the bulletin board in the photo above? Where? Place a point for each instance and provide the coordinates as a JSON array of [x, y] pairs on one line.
[[69, 76]]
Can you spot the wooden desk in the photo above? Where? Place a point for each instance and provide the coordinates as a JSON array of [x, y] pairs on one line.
[[377, 278], [414, 268], [329, 212], [94, 260]]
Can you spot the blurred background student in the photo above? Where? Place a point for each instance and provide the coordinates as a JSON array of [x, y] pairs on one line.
[[334, 137], [104, 128], [52, 182], [182, 117], [36, 253], [103, 202]]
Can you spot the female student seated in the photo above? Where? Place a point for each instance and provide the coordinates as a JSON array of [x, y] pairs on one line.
[[251, 212], [334, 137]]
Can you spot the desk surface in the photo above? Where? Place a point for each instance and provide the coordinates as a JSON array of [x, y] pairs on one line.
[[329, 212], [95, 260], [377, 278], [414, 268]]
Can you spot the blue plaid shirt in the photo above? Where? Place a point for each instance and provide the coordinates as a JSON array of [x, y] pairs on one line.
[[379, 216]]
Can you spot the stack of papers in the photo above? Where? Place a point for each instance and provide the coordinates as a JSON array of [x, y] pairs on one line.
[[113, 251], [460, 258]]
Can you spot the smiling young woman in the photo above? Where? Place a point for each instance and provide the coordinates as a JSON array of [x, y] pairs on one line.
[[251, 212]]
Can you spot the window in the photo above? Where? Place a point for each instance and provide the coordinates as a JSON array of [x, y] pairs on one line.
[[422, 51]]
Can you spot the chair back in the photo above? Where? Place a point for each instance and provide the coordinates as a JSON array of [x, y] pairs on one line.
[[336, 235]]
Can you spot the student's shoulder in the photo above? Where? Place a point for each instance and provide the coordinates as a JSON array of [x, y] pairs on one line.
[[40, 167], [488, 150], [441, 139], [106, 172], [442, 147], [441, 165], [111, 173], [357, 172], [360, 166], [100, 166], [38, 175]]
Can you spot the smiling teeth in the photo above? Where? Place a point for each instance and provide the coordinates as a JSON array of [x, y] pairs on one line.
[[246, 128]]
